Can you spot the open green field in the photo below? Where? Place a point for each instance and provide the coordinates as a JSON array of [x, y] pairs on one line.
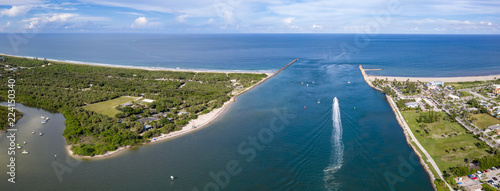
[[461, 85], [447, 142], [484, 120], [108, 107]]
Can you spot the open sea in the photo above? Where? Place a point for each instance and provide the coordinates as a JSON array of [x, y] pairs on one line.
[[286, 134]]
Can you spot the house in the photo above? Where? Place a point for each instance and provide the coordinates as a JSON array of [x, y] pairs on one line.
[[453, 97], [436, 83], [411, 104], [127, 104], [147, 127], [183, 113], [496, 89]]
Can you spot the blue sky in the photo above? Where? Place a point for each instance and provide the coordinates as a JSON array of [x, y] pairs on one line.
[[252, 16]]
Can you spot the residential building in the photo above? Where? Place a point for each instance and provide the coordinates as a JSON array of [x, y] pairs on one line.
[[411, 104]]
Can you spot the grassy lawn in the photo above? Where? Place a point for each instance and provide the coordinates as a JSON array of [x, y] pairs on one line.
[[461, 85], [108, 107], [497, 99], [464, 93], [484, 120], [442, 136]]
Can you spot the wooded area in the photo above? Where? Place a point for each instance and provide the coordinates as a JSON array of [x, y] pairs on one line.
[[65, 88]]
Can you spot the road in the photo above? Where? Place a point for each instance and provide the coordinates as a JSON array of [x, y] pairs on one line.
[[408, 131]]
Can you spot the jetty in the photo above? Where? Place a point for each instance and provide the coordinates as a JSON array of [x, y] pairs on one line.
[[365, 77], [265, 79]]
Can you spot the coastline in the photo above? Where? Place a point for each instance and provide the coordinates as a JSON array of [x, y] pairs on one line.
[[410, 137], [200, 122], [427, 79], [148, 68]]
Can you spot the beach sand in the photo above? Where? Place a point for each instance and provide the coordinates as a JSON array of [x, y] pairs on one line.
[[428, 79], [149, 68]]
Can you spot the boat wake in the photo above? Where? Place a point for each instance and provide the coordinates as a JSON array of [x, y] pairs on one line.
[[337, 149]]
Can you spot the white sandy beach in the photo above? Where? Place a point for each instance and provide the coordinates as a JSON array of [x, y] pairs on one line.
[[268, 72], [430, 79]]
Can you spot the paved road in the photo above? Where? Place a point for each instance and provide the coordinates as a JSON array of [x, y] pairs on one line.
[[400, 118]]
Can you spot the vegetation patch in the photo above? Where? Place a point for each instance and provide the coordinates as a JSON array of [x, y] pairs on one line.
[[109, 107], [86, 95], [484, 120], [447, 142]]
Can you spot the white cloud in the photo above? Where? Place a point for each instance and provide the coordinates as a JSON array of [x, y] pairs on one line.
[[288, 20], [15, 11], [181, 18], [316, 26], [211, 20], [139, 22], [52, 21], [489, 23], [142, 23]]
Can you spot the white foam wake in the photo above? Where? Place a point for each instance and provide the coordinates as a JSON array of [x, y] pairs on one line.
[[337, 148]]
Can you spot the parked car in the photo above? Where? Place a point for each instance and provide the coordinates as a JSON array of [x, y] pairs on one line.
[[485, 170], [490, 181], [495, 178]]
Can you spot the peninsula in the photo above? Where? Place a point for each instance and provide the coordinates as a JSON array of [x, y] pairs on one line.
[[108, 109], [450, 122]]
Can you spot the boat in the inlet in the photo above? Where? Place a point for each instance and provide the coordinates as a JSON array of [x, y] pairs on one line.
[[24, 152], [24, 142], [19, 147], [41, 133], [172, 177], [47, 118], [33, 132], [43, 122], [42, 117]]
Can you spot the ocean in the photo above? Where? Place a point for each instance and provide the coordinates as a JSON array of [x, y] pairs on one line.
[[285, 134]]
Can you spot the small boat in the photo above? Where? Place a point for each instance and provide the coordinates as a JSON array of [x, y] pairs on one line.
[[24, 152], [18, 147], [42, 117], [319, 102], [304, 107], [307, 85], [348, 82], [33, 132], [354, 108], [302, 83], [313, 82], [41, 133], [43, 122], [47, 118], [24, 142], [172, 177]]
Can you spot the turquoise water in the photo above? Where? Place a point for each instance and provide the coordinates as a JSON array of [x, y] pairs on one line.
[[246, 148]]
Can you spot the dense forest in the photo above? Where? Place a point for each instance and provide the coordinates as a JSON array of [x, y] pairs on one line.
[[65, 88]]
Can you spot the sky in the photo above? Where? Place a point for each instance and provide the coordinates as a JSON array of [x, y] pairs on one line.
[[251, 16]]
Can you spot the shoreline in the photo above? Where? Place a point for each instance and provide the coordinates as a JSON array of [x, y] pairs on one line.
[[409, 136], [200, 122], [149, 68], [426, 79]]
